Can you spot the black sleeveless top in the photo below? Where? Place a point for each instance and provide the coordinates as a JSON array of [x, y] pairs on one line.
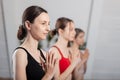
[[34, 70]]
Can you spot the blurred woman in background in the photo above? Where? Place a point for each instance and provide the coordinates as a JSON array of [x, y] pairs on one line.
[[80, 69]]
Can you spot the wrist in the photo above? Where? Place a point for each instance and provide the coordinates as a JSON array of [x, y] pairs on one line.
[[73, 64], [47, 77], [82, 62]]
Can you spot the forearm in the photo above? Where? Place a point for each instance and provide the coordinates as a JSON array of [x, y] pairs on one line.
[[79, 65], [19, 75], [67, 72], [19, 78], [85, 67], [47, 77]]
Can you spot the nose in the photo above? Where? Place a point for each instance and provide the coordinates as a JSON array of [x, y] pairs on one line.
[[48, 28], [74, 32]]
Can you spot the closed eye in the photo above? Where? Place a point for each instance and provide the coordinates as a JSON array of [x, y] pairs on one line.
[[43, 23]]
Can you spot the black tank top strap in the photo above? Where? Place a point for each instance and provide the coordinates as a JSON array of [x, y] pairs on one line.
[[23, 49], [41, 53]]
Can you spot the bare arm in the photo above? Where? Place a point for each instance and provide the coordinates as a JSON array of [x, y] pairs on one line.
[[85, 67], [19, 65]]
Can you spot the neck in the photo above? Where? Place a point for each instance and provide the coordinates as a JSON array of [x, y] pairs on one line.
[[30, 43], [62, 42], [75, 46]]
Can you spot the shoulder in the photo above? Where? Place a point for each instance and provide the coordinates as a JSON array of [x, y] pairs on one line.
[[19, 56], [55, 51], [19, 53]]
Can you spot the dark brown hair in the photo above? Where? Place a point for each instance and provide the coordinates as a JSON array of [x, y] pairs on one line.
[[29, 14], [78, 31], [61, 23]]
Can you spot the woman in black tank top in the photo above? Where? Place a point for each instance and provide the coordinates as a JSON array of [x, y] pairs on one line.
[[29, 63]]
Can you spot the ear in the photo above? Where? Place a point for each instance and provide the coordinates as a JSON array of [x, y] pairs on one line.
[[60, 31], [28, 25]]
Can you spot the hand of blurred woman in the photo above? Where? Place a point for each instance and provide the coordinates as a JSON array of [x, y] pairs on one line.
[[74, 58], [85, 55]]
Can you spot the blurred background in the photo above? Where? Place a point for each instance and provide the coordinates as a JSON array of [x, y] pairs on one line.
[[100, 19]]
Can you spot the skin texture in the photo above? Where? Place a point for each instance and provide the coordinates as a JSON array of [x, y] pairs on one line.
[[64, 36], [36, 31], [80, 69]]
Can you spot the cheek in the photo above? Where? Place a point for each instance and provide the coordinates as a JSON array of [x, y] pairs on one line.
[[79, 41], [82, 41], [37, 33], [41, 33], [66, 36], [70, 38], [37, 30], [71, 35]]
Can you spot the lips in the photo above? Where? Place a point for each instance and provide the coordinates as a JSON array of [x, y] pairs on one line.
[[72, 36], [45, 33]]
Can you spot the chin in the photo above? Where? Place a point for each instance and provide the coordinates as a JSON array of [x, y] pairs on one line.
[[71, 40], [82, 44], [42, 38]]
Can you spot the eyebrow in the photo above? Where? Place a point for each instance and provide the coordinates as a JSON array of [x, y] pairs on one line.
[[43, 21]]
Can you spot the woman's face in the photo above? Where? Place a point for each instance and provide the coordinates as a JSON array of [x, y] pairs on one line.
[[79, 39], [40, 27], [69, 31]]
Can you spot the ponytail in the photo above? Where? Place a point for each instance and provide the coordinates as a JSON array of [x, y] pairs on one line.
[[53, 32], [21, 32]]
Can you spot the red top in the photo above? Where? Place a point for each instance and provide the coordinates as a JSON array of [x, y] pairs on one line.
[[64, 62]]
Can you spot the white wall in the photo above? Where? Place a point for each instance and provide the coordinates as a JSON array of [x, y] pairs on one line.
[[93, 34], [108, 43], [11, 29], [4, 63], [104, 41]]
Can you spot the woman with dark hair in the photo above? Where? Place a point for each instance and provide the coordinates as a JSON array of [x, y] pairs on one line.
[[80, 69], [65, 29], [29, 62]]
